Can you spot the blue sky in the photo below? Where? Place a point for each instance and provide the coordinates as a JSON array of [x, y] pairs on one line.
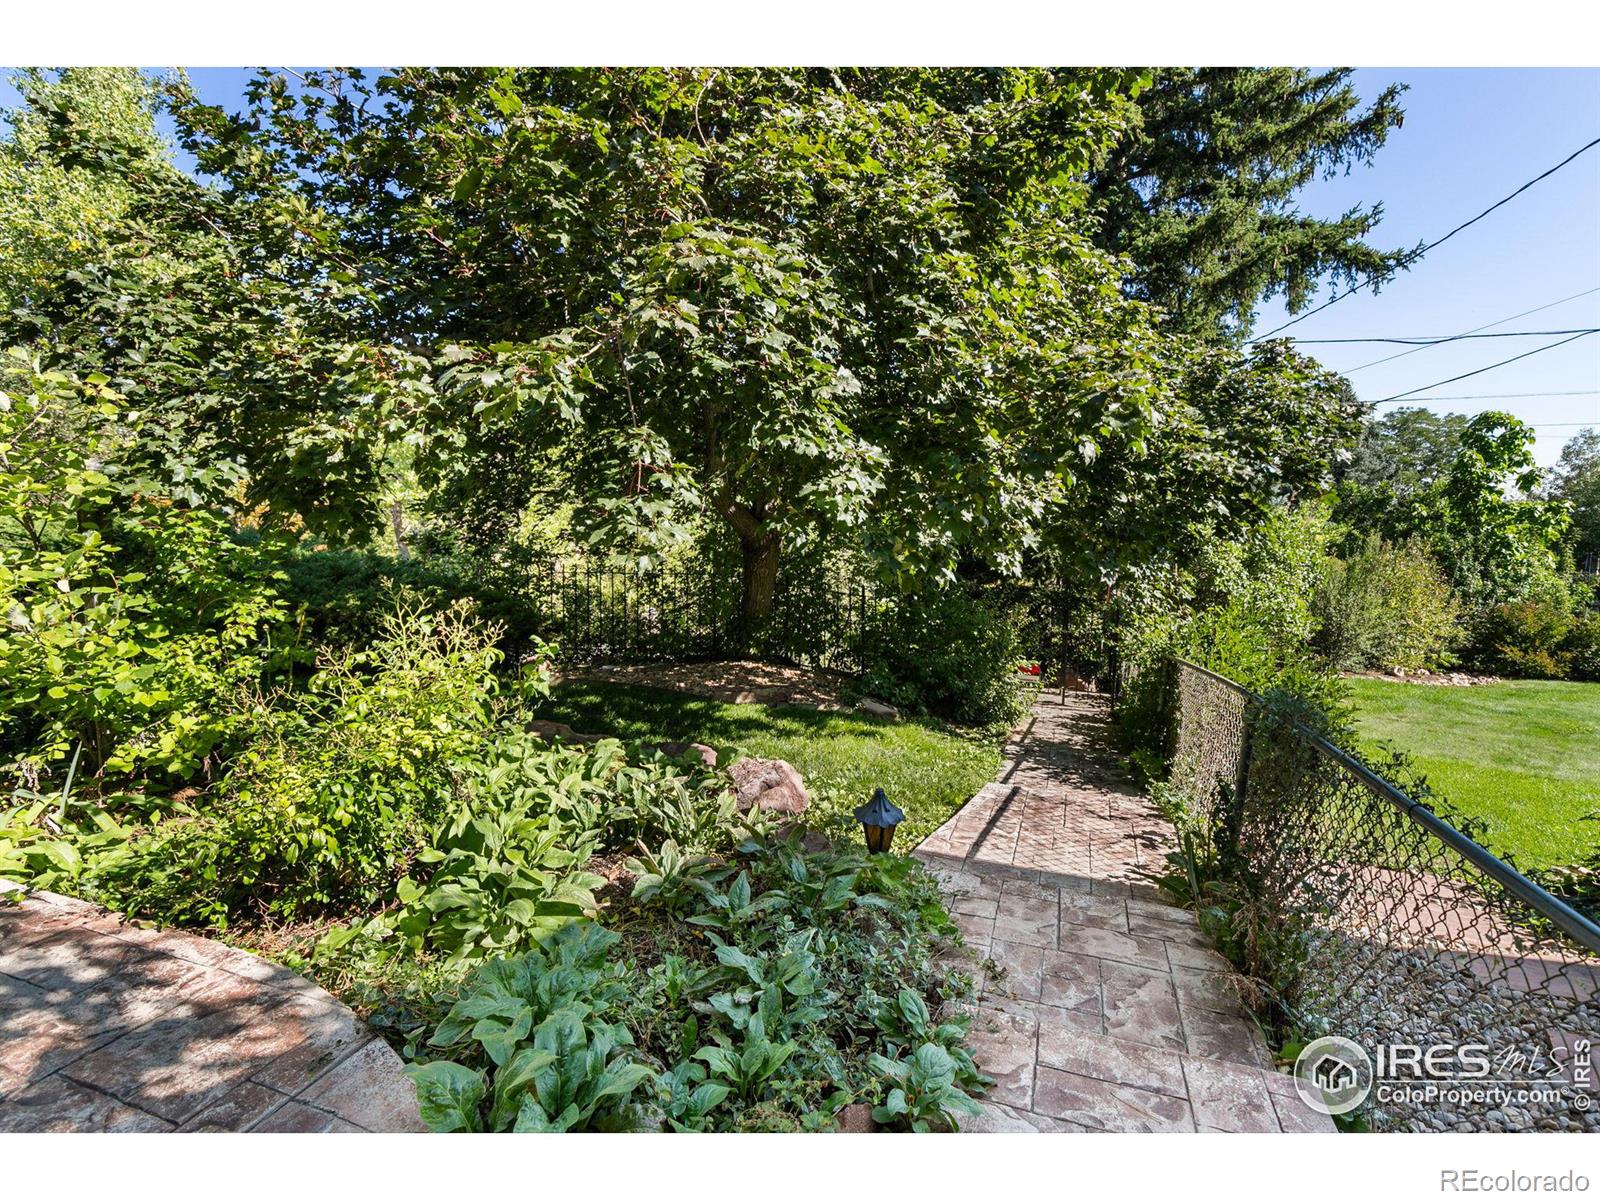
[[1471, 136]]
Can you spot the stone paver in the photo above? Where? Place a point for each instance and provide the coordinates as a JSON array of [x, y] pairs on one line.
[[108, 1026], [1106, 1008]]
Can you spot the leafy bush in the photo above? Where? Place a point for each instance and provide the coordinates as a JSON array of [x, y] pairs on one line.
[[135, 622], [342, 595], [814, 992], [505, 870], [949, 653], [1247, 613], [1385, 606], [1581, 648], [1523, 639], [924, 1095], [338, 790], [501, 879]]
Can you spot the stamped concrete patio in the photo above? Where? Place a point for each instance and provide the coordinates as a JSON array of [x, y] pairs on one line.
[[107, 1026], [1107, 1008]]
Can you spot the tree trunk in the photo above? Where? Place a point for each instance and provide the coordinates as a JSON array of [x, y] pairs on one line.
[[760, 583], [397, 518]]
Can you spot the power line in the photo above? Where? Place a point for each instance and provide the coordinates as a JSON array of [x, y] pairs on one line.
[[1469, 374], [1509, 395], [1492, 324], [1436, 340], [1421, 250]]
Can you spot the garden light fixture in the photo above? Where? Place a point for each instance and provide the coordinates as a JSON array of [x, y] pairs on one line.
[[878, 818]]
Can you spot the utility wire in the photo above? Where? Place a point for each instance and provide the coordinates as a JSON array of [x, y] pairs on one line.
[[1452, 337], [1511, 395], [1491, 325], [1469, 374], [1421, 250]]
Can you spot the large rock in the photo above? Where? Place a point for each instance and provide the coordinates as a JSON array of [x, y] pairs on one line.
[[879, 709], [856, 1118], [769, 784]]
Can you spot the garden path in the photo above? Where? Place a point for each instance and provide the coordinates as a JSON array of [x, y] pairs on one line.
[[107, 1026], [1110, 1010]]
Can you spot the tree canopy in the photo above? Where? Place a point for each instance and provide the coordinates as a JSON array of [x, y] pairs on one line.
[[1405, 449], [59, 209], [1200, 198], [810, 304], [1495, 539], [1576, 482]]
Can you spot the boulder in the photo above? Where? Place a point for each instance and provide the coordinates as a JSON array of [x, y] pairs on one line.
[[769, 784], [857, 1118], [679, 749], [879, 709]]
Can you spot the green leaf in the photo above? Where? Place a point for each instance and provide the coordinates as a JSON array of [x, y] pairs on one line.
[[499, 1038], [448, 1096], [913, 1009]]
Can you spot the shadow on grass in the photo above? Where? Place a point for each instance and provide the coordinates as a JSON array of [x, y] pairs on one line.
[[634, 711]]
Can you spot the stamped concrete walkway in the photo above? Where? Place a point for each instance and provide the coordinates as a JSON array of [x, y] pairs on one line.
[[106, 1026], [1108, 1009]]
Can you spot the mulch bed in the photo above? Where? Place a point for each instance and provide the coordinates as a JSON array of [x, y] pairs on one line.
[[730, 682]]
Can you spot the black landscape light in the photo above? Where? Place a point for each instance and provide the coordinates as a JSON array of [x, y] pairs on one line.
[[878, 818]]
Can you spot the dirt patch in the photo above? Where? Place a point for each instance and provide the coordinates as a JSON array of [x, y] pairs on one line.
[[731, 682]]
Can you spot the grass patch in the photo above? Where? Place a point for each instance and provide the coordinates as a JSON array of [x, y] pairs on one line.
[[929, 769], [1522, 756]]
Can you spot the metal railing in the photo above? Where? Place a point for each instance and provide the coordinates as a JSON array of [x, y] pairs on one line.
[[1357, 909], [597, 612]]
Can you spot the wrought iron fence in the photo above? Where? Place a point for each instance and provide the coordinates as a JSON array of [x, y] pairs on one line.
[[596, 612], [1361, 911]]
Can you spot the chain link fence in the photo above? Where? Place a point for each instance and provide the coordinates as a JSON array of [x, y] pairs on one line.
[[1358, 910]]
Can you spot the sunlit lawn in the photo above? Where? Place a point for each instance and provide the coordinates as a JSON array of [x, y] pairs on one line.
[[1523, 756], [927, 768]]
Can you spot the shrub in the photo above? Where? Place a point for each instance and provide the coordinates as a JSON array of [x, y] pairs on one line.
[[1259, 633], [338, 789], [1581, 648], [1245, 613], [949, 653], [133, 621], [505, 870], [1523, 639], [791, 985], [1385, 606], [342, 595], [557, 1057]]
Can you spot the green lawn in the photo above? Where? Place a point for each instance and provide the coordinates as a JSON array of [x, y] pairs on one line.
[[1523, 756], [927, 768]]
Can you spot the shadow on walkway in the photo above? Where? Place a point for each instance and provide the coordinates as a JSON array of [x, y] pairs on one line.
[[1102, 1006]]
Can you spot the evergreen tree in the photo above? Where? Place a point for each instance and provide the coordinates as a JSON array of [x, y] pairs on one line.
[[1201, 199]]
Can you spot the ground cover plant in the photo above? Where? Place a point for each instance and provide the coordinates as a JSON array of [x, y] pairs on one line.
[[1520, 756], [768, 990]]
